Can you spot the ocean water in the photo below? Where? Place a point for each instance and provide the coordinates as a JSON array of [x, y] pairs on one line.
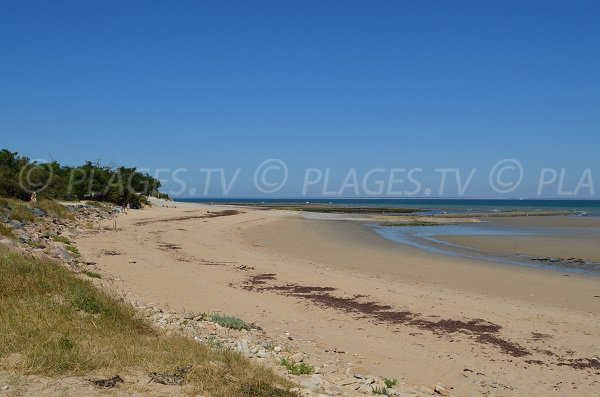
[[437, 206], [425, 237]]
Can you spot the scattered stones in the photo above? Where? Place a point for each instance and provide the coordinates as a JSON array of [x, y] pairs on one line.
[[175, 378], [107, 383]]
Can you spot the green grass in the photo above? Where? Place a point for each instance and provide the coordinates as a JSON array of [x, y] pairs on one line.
[[20, 212], [6, 232], [54, 209], [62, 325], [73, 250], [297, 368], [91, 274], [61, 239], [99, 204], [390, 383], [382, 392], [35, 244], [17, 210], [229, 322]]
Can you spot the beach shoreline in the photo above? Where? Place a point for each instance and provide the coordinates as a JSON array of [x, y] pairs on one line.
[[338, 287]]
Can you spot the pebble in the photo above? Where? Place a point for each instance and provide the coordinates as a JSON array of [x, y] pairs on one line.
[[441, 389]]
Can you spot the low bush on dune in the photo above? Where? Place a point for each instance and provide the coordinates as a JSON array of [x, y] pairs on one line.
[[61, 324], [229, 322], [295, 368]]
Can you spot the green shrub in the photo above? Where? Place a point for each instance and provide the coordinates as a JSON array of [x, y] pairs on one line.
[[61, 239], [229, 322], [73, 250], [297, 368]]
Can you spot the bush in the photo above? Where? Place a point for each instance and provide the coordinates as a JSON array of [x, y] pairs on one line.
[[229, 322], [297, 368]]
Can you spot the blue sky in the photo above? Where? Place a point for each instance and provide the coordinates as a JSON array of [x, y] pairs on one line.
[[339, 85]]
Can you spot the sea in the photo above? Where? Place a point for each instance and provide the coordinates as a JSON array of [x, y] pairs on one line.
[[426, 237], [434, 206]]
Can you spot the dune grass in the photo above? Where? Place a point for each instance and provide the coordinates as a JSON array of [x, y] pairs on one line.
[[6, 232], [62, 239], [21, 210], [62, 324], [54, 208]]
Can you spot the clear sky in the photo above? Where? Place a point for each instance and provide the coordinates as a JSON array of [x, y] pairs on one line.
[[325, 84]]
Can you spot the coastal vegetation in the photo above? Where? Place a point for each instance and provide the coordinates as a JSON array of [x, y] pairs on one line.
[[295, 368], [54, 323], [20, 177], [229, 322]]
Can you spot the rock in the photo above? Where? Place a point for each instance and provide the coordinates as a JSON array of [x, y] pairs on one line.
[[427, 390], [15, 224], [441, 389], [5, 388], [38, 212], [364, 389], [277, 349], [311, 382], [262, 353], [62, 253], [7, 243], [299, 357], [241, 346]]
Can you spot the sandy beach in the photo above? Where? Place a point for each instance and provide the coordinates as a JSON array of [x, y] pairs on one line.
[[371, 305]]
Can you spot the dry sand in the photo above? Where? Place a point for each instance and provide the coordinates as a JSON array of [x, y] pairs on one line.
[[414, 318]]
